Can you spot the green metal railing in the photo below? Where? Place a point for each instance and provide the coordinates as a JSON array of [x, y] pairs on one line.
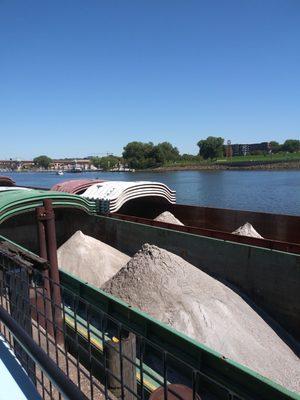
[[218, 374]]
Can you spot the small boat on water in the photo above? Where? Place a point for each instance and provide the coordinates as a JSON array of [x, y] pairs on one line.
[[76, 169], [60, 173]]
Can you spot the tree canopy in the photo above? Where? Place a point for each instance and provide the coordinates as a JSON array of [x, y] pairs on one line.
[[147, 155], [164, 152], [291, 145], [106, 162], [275, 146], [42, 161], [211, 147]]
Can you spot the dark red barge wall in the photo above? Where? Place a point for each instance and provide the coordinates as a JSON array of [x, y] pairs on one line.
[[285, 228]]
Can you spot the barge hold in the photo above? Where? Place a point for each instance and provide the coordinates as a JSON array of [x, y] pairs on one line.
[[93, 322], [254, 270], [215, 250], [279, 232]]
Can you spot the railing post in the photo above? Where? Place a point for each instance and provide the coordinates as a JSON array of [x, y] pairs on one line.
[[48, 249], [118, 353], [54, 274], [44, 305]]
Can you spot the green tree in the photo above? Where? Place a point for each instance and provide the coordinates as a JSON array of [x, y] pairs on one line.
[[95, 161], [164, 152], [275, 146], [145, 155], [211, 147], [106, 162], [42, 161], [190, 158], [139, 155], [291, 145]]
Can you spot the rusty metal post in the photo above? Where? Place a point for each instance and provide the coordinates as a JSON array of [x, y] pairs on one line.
[[54, 274], [40, 214], [120, 355], [43, 304]]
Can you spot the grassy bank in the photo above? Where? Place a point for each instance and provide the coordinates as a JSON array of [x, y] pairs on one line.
[[279, 157], [260, 162]]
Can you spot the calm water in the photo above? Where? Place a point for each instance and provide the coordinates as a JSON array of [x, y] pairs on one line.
[[269, 191]]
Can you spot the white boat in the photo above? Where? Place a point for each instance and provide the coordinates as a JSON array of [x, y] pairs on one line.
[[59, 173], [76, 169]]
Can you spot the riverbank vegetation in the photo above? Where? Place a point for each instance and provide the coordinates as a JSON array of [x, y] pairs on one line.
[[212, 151], [212, 154], [269, 157], [42, 162]]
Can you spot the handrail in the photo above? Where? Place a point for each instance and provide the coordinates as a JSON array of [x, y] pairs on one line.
[[65, 386]]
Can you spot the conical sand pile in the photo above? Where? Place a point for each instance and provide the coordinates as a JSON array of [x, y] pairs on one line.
[[90, 259], [179, 294], [247, 230], [168, 218]]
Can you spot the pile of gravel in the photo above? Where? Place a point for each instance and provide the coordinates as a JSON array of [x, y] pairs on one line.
[[247, 230], [175, 292], [90, 259], [168, 218]]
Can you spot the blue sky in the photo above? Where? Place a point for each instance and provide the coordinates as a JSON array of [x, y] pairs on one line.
[[84, 77]]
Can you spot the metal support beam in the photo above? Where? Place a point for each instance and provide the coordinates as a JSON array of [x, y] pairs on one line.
[[48, 249], [42, 297]]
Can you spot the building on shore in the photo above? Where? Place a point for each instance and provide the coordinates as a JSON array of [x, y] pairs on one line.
[[246, 149], [64, 165], [16, 164], [71, 164]]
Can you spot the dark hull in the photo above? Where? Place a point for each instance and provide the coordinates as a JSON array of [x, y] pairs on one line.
[[280, 232]]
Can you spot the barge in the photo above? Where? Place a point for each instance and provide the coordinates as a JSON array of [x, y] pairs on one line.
[[90, 321]]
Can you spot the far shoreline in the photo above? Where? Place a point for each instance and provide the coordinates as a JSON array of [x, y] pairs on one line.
[[293, 165], [250, 166]]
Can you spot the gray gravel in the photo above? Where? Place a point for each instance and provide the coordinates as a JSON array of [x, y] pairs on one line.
[[175, 292]]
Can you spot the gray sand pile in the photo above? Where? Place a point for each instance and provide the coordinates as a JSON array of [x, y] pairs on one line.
[[168, 218], [247, 230], [175, 292], [90, 259]]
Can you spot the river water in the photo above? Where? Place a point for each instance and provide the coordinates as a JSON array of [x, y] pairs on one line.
[[268, 191]]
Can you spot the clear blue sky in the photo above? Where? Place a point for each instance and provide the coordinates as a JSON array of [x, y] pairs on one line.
[[82, 77]]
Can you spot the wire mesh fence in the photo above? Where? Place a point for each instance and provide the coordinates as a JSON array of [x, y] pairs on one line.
[[101, 356]]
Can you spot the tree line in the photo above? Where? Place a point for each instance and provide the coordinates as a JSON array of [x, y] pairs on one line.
[[290, 146], [143, 155]]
